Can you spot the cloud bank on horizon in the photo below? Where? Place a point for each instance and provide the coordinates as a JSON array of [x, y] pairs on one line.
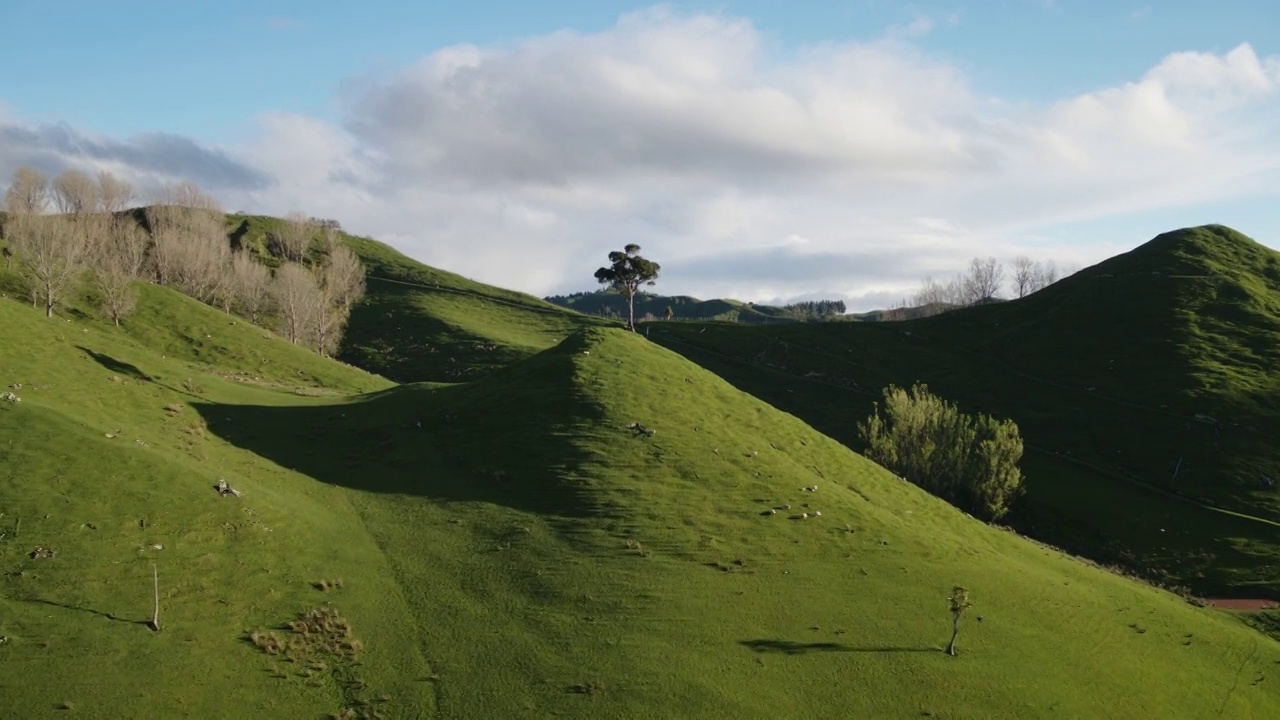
[[841, 170]]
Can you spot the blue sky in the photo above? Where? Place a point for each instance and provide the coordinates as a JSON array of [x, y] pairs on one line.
[[1010, 90]]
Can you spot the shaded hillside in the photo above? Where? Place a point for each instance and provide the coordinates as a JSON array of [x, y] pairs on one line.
[[683, 307], [1187, 327], [1106, 373], [417, 323]]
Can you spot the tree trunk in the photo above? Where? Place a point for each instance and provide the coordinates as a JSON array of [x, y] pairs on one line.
[[48, 300], [631, 311], [154, 622], [955, 630]]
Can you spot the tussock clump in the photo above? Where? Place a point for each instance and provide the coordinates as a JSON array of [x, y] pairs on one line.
[[587, 688], [315, 633]]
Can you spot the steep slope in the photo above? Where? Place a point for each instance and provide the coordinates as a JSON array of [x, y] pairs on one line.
[[104, 464], [560, 560], [1142, 386], [418, 323]]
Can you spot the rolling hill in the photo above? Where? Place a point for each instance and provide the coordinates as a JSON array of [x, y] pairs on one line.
[[683, 307], [1143, 386], [650, 306], [419, 324], [517, 546]]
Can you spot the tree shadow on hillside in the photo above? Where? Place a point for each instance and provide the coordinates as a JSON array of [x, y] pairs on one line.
[[789, 647], [393, 334], [402, 442], [116, 366], [91, 611]]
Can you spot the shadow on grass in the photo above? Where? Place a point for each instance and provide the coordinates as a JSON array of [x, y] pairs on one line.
[[99, 613], [788, 647], [116, 366], [510, 439]]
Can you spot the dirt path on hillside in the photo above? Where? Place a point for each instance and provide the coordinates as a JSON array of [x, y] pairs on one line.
[[1242, 605]]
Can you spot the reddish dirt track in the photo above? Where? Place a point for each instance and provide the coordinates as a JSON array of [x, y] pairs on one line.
[[1242, 605]]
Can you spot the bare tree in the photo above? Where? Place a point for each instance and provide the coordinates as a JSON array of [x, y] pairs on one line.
[[204, 255], [1045, 274], [154, 621], [327, 324], [190, 248], [296, 294], [293, 239], [933, 297], [114, 194], [28, 193], [958, 603], [343, 277], [983, 281], [1025, 271], [251, 285], [119, 257], [75, 193], [186, 195], [51, 250]]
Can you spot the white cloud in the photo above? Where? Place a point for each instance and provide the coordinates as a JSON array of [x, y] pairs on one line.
[[849, 170]]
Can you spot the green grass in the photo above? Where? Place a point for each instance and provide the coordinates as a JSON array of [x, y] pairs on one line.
[[105, 458], [510, 548], [420, 324], [1104, 373], [588, 570]]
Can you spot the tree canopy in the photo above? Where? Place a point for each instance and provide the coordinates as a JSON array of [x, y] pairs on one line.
[[626, 274], [969, 460]]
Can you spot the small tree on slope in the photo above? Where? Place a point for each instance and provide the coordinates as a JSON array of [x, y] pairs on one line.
[[970, 461], [959, 603], [627, 273]]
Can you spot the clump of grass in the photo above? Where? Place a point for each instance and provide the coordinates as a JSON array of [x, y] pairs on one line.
[[321, 631], [193, 387], [636, 547], [592, 688], [268, 642]]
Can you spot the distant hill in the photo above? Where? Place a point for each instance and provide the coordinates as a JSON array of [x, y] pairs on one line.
[[649, 307], [1144, 385]]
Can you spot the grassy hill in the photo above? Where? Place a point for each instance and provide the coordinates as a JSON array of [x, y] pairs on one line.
[[1155, 360], [683, 307], [652, 306], [510, 548], [418, 323]]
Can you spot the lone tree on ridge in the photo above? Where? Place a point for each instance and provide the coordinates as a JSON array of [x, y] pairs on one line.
[[627, 273], [959, 603]]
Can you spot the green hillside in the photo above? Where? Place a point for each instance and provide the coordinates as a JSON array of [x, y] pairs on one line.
[[611, 304], [1116, 376], [418, 323], [510, 548], [683, 307]]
